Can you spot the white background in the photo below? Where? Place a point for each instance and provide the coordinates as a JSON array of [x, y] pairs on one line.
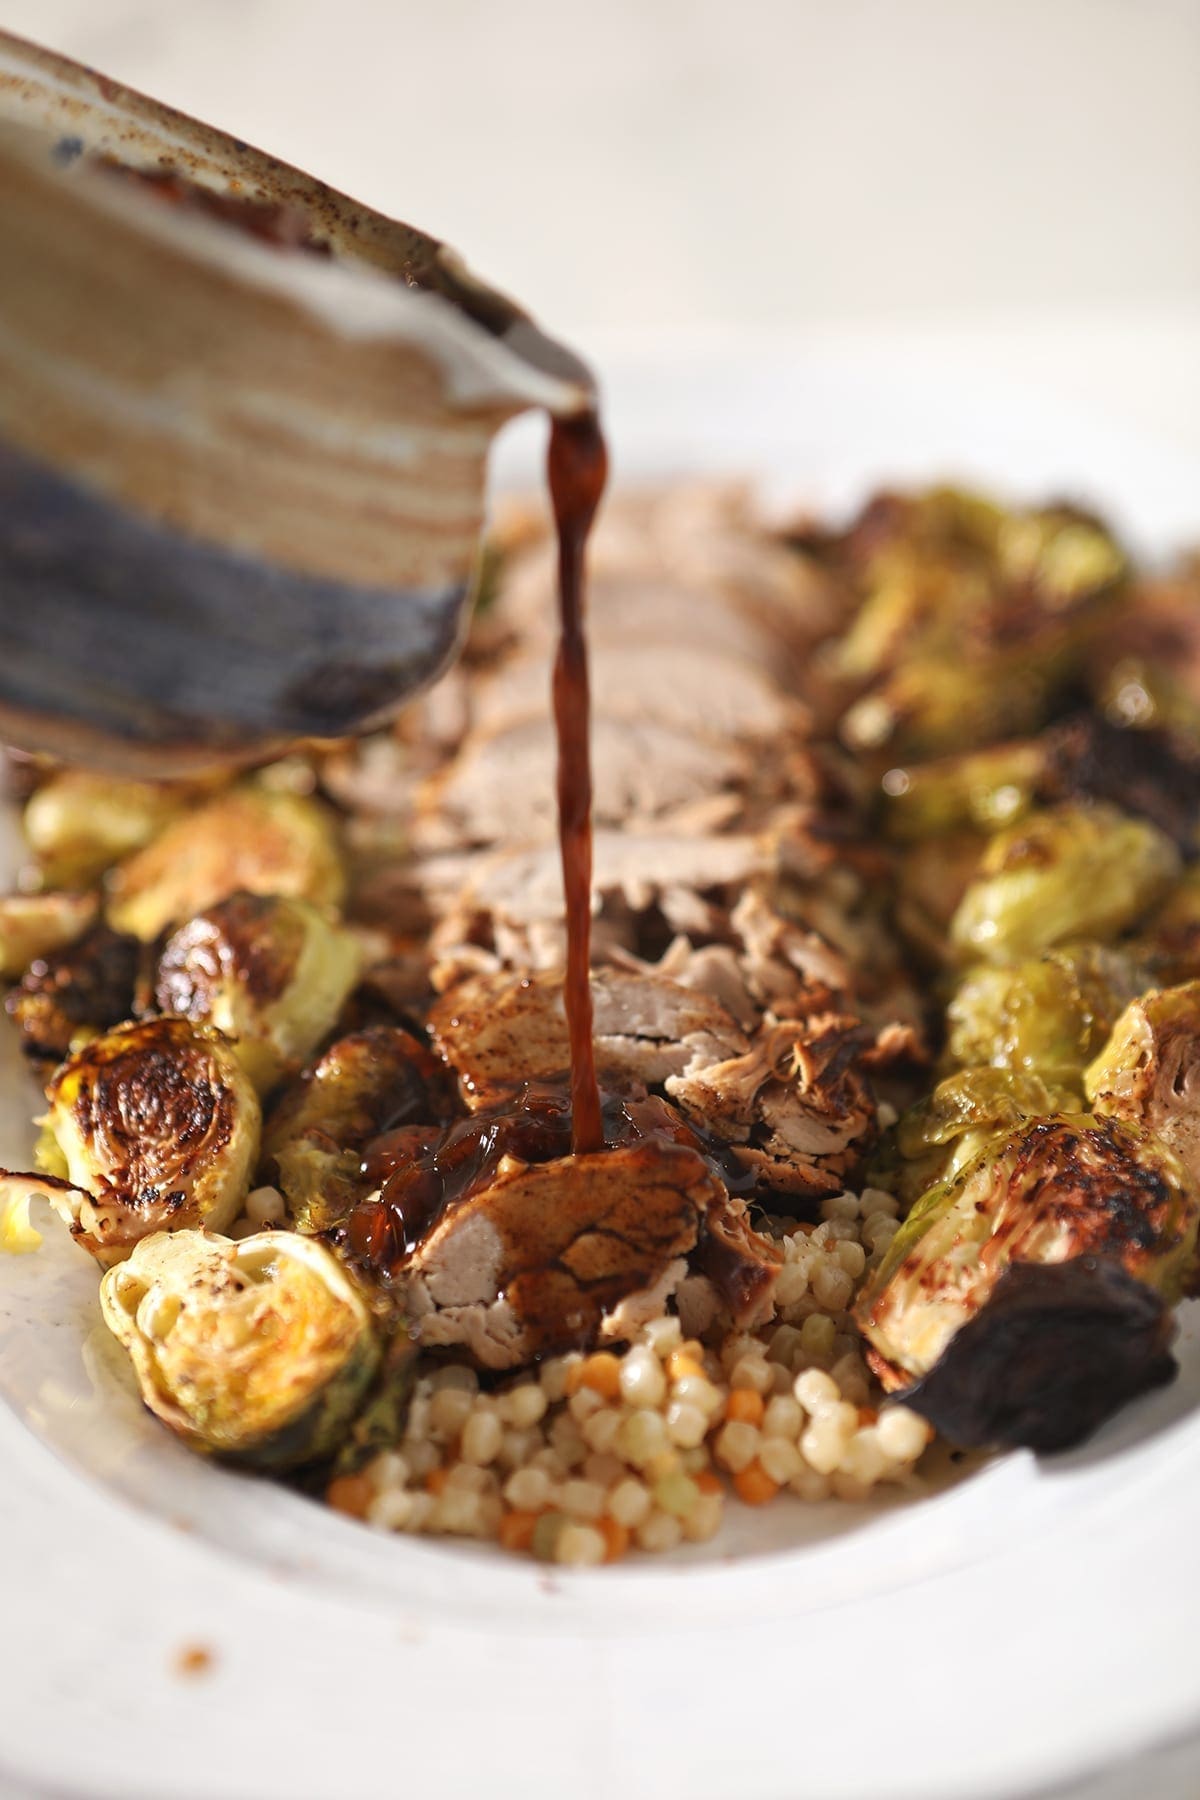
[[1017, 182]]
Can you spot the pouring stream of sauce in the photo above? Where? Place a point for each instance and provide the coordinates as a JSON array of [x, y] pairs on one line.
[[577, 466]]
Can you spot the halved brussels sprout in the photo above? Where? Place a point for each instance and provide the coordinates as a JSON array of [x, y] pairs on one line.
[[35, 925], [272, 974], [931, 879], [248, 837], [366, 1083], [158, 1127], [259, 1351], [1047, 1016], [965, 1111], [981, 790], [994, 1350], [971, 619], [66, 998], [80, 823], [1069, 872], [1149, 1071]]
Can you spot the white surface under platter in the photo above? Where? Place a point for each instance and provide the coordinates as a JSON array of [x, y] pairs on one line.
[[1025, 1625]]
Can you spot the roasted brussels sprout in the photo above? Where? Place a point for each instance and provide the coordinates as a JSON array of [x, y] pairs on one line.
[[1061, 554], [1149, 1071], [1026, 1297], [79, 823], [1139, 690], [366, 1083], [1152, 774], [931, 879], [158, 1127], [259, 1351], [34, 925], [1146, 671], [971, 619], [1048, 1015], [965, 1111], [65, 999], [1069, 872], [271, 974], [982, 790], [264, 842]]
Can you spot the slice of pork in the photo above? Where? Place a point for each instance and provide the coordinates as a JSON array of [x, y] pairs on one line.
[[684, 685], [558, 1255], [499, 1031], [500, 788]]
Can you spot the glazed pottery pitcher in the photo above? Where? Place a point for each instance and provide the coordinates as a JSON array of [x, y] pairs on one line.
[[244, 425]]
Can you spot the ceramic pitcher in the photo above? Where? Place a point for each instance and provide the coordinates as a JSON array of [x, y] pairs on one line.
[[244, 425]]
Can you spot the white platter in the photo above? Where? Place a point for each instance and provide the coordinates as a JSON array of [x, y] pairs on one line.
[[1024, 1626]]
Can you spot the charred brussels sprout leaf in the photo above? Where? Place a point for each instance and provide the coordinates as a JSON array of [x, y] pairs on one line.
[[1047, 1016], [1058, 1350], [259, 1351], [1097, 1196], [272, 974], [157, 1126], [1149, 1071], [1070, 872], [248, 838]]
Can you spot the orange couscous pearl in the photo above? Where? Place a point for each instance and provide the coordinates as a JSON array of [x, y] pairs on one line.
[[745, 1404], [350, 1494], [616, 1538], [754, 1485], [600, 1372], [517, 1528]]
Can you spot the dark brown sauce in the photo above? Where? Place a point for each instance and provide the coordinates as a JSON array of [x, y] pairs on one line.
[[577, 466], [422, 1172]]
